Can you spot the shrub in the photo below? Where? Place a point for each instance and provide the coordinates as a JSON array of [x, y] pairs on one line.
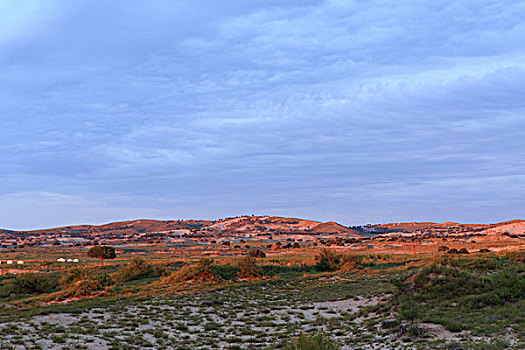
[[438, 282], [511, 285], [80, 283], [319, 341], [327, 260], [445, 260], [138, 268], [226, 272], [257, 253], [202, 271], [443, 248], [350, 262], [410, 311], [204, 266], [248, 267], [32, 283], [483, 264], [516, 255], [83, 288], [72, 275]]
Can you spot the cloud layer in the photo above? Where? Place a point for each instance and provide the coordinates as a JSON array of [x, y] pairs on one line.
[[359, 111]]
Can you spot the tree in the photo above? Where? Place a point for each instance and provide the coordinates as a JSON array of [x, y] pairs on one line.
[[410, 311], [103, 252]]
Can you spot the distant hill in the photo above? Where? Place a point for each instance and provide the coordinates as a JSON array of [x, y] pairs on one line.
[[418, 226], [123, 227], [254, 225], [332, 227]]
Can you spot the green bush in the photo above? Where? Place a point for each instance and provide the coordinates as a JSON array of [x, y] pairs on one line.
[[32, 283], [447, 282], [474, 289], [319, 341], [410, 311], [226, 272]]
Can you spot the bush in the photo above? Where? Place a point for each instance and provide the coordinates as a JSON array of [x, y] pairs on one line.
[[32, 283], [204, 266], [226, 272], [202, 271], [257, 253], [248, 267], [350, 262], [319, 341], [72, 275], [444, 260], [83, 288], [138, 268], [439, 282], [410, 311], [327, 260], [511, 285], [463, 251], [518, 255], [80, 283], [433, 284]]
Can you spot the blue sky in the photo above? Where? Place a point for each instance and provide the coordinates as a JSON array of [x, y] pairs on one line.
[[354, 111]]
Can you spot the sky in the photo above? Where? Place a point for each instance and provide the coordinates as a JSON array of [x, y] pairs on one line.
[[354, 111]]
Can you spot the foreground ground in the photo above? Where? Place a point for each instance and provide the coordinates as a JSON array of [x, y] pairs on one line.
[[366, 301]]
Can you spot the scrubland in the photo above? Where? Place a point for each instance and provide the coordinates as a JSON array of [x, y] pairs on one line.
[[316, 298]]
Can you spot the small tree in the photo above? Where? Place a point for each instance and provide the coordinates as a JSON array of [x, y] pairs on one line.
[[248, 267], [410, 311], [102, 252]]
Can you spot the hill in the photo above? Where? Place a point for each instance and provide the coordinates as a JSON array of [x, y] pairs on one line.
[[333, 228], [156, 231]]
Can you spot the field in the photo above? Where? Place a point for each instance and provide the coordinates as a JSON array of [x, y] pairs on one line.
[[211, 297]]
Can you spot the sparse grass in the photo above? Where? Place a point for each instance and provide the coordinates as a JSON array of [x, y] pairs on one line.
[[205, 305]]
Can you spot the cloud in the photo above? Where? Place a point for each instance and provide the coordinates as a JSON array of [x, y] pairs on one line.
[[356, 111], [34, 210]]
